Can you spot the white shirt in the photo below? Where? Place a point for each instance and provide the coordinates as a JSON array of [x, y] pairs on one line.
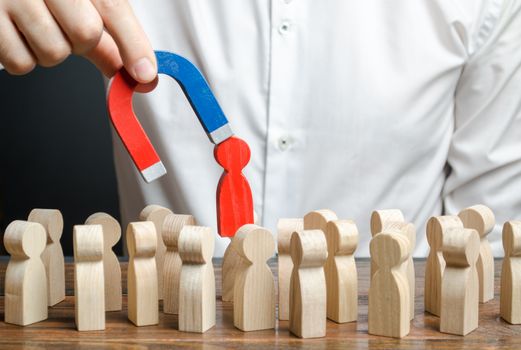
[[346, 105]]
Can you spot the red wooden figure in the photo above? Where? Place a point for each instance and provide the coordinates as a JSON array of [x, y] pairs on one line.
[[234, 198]]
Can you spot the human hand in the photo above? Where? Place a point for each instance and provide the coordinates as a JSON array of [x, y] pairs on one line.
[[46, 32]]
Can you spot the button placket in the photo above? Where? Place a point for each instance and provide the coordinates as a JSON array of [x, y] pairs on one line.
[[283, 55]]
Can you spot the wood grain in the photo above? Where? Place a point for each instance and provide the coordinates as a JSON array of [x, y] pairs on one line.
[[52, 256], [341, 275], [89, 279], [435, 264], [197, 280], [407, 230], [285, 227], [379, 218], [510, 298], [389, 291], [26, 285], [481, 219], [157, 215], [307, 291], [232, 262], [459, 312], [172, 227], [143, 308], [59, 330], [111, 269], [254, 289]]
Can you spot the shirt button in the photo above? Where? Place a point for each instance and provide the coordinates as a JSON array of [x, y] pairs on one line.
[[284, 143], [285, 27]]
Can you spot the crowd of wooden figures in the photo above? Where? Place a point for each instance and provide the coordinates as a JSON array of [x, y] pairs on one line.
[[170, 259]]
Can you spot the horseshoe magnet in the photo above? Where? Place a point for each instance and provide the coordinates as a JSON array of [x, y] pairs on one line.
[[129, 129], [234, 197]]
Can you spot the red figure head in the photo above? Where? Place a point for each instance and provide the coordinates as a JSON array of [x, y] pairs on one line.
[[232, 154]]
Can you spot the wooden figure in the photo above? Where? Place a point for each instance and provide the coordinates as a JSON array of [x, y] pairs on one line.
[[408, 231], [510, 300], [52, 256], [254, 290], [172, 227], [157, 215], [459, 287], [389, 290], [111, 268], [142, 283], [285, 228], [234, 197], [341, 274], [379, 219], [197, 283], [318, 220], [89, 280], [194, 86], [231, 264], [435, 264], [307, 295], [481, 219], [25, 300]]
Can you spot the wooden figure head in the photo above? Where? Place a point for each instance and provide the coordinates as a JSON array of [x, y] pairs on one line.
[[172, 227], [460, 247], [318, 219], [152, 212], [196, 244], [52, 221], [308, 248], [512, 238], [23, 239], [285, 227], [389, 248], [110, 226], [439, 224], [255, 243], [380, 217], [88, 243], [479, 218], [232, 154], [141, 239], [342, 237]]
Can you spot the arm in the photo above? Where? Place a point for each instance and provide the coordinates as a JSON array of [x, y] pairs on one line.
[[485, 155]]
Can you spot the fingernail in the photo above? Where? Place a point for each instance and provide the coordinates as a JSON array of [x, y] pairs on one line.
[[144, 70]]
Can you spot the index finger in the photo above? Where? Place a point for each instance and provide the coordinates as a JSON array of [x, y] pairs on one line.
[[133, 44]]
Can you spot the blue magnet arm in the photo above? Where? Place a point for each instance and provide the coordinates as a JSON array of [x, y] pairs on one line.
[[198, 93]]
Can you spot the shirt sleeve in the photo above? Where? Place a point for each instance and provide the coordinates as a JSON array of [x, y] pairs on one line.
[[484, 160]]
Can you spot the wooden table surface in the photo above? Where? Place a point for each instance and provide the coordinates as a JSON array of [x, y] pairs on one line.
[[59, 330]]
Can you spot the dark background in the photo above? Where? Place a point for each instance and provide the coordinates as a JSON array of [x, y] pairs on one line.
[[56, 146]]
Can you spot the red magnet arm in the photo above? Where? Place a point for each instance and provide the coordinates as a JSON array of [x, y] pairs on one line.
[[129, 129], [234, 197]]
